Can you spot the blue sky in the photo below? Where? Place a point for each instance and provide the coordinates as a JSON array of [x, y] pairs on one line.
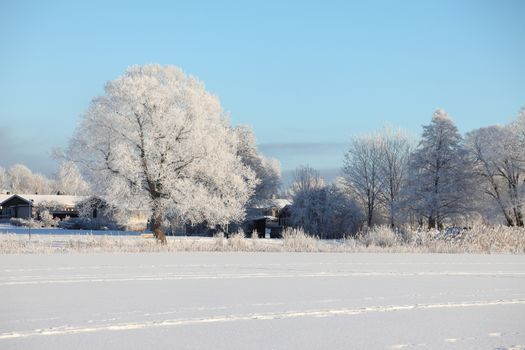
[[306, 75]]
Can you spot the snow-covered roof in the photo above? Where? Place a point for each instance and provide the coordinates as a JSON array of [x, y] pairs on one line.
[[261, 217], [3, 197], [68, 201], [278, 203]]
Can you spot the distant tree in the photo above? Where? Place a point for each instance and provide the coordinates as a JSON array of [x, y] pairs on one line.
[[41, 184], [157, 139], [362, 172], [267, 171], [22, 180], [396, 148], [4, 180], [498, 155], [345, 215], [305, 178], [68, 180], [323, 210], [440, 181]]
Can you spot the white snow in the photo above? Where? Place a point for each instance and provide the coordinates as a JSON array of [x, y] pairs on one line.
[[262, 301]]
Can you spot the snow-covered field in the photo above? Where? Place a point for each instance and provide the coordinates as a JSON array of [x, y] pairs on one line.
[[262, 301]]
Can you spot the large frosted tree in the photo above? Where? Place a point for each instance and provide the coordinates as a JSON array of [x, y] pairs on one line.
[[440, 180], [157, 139]]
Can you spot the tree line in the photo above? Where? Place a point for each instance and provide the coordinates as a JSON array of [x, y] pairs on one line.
[[19, 179], [156, 139], [443, 180]]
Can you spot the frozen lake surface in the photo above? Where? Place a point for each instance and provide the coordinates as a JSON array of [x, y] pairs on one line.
[[262, 301]]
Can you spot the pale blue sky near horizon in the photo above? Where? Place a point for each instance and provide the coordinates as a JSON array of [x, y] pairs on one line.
[[306, 75]]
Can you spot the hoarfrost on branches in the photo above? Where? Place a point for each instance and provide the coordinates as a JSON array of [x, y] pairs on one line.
[[498, 154], [362, 172], [157, 139], [69, 180], [20, 179], [267, 170], [323, 210], [440, 186]]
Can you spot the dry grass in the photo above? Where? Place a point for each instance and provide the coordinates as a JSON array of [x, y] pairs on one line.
[[480, 239], [296, 240]]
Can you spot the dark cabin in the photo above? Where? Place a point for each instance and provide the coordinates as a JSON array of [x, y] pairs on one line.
[[16, 207]]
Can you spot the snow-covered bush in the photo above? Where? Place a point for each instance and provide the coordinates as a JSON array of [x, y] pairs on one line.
[[24, 222], [495, 239], [381, 236], [237, 242], [219, 241], [296, 240], [47, 219], [480, 239]]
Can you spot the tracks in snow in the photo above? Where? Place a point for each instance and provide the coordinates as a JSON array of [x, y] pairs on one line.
[[70, 330], [56, 279]]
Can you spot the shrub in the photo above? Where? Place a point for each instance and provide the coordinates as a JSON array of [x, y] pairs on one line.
[[296, 240], [381, 236], [479, 239], [237, 242]]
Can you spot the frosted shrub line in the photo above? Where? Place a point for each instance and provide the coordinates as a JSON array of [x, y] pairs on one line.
[[480, 239]]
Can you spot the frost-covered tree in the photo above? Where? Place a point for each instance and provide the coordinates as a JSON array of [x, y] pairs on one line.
[[396, 147], [362, 172], [323, 210], [22, 180], [157, 139], [41, 184], [268, 171], [68, 180], [305, 178], [440, 181], [498, 155], [4, 180]]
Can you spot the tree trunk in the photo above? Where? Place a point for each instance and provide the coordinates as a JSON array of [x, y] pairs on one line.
[[370, 216], [431, 222], [518, 216], [392, 220], [370, 210], [156, 225]]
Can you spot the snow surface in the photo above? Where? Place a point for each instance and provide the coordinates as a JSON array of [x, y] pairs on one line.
[[262, 301]]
